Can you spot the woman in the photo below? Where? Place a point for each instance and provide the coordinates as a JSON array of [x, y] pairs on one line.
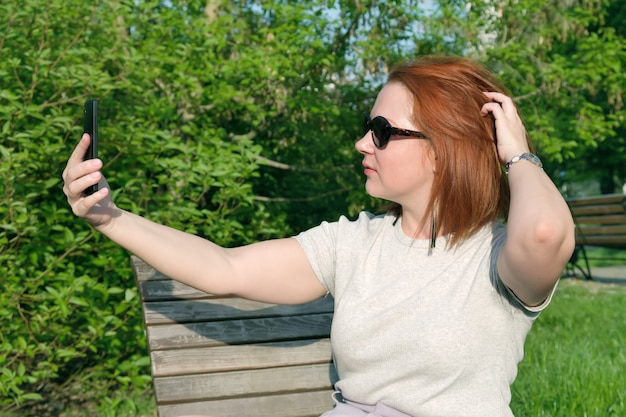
[[433, 299]]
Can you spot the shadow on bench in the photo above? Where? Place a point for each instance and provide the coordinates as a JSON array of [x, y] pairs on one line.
[[230, 357]]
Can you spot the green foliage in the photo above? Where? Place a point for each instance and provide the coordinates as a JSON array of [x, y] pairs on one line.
[[70, 314], [565, 63]]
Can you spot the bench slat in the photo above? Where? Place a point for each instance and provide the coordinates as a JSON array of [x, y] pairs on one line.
[[164, 290], [206, 334], [594, 210], [597, 200], [607, 219], [617, 230], [617, 242], [304, 404], [143, 271], [224, 385], [231, 358], [187, 311]]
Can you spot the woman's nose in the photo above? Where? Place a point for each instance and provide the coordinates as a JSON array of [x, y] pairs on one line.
[[365, 144]]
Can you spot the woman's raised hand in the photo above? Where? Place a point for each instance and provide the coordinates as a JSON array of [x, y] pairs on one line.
[[97, 209], [510, 131]]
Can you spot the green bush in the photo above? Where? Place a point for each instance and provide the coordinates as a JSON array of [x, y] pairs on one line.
[[71, 318]]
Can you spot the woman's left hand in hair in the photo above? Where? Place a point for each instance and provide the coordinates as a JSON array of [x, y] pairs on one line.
[[540, 232], [511, 139]]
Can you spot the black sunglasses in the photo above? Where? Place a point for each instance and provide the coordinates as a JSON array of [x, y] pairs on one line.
[[382, 131]]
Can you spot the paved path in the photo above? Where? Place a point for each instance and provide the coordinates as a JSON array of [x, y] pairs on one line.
[[610, 274]]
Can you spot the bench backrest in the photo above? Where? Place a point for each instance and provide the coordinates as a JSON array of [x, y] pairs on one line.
[[230, 357], [600, 220]]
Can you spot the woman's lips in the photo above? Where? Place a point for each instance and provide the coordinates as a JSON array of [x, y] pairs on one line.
[[367, 170]]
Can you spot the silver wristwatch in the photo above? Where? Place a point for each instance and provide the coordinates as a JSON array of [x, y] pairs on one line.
[[527, 156]]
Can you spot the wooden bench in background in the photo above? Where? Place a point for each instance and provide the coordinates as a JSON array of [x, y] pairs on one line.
[[229, 357], [600, 221]]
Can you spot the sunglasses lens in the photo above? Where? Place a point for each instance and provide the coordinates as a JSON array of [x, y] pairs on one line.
[[380, 128], [381, 132]]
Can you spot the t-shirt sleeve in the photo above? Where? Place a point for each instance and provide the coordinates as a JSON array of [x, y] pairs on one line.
[[505, 291], [319, 245]]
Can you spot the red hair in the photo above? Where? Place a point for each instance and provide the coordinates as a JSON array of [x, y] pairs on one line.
[[470, 189]]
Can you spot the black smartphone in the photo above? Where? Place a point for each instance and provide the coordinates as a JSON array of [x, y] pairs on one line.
[[90, 114]]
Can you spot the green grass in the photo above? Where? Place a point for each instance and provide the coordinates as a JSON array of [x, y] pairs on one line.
[[122, 405], [575, 361], [605, 256]]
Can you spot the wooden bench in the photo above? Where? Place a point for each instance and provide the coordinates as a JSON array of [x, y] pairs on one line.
[[600, 221], [230, 357]]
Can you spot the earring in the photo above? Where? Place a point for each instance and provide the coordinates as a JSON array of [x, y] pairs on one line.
[[433, 230]]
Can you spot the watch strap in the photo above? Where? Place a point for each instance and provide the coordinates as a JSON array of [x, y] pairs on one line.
[[527, 156]]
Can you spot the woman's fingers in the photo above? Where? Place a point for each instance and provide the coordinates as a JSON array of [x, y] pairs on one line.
[[79, 151], [83, 206], [510, 130], [80, 184], [79, 174], [501, 106], [98, 208]]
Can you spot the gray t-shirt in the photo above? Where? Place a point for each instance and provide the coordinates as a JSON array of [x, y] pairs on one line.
[[428, 334]]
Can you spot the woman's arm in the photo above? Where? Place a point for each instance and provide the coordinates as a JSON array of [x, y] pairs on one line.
[[540, 228], [273, 271]]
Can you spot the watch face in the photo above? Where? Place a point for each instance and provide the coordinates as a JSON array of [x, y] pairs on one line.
[[527, 156], [533, 158]]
